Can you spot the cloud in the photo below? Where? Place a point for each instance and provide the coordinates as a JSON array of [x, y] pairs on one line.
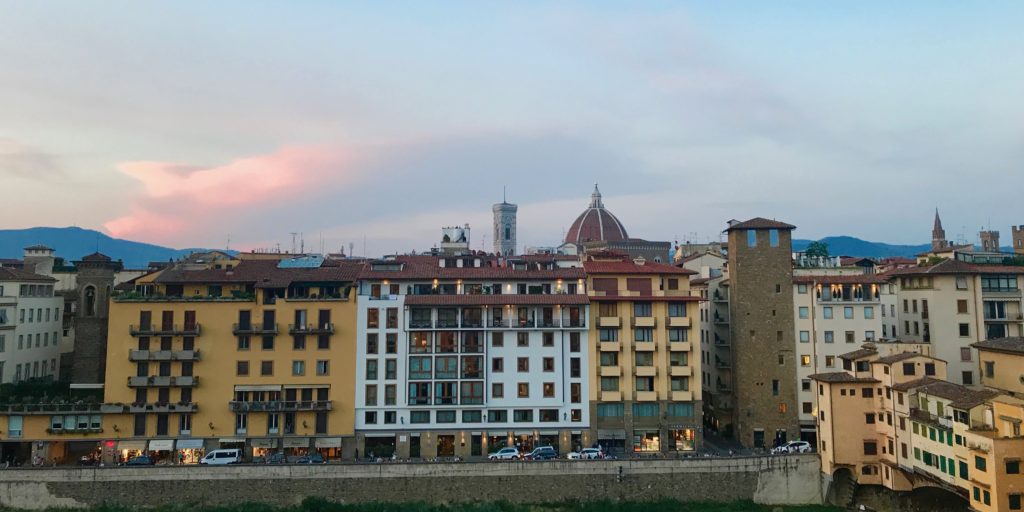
[[21, 161], [176, 197]]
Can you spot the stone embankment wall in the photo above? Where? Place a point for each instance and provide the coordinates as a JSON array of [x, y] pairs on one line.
[[791, 479]]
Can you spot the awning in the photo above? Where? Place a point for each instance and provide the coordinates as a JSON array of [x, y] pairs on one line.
[[576, 432], [161, 445], [611, 434], [328, 442], [260, 387], [231, 440], [379, 434], [549, 432], [189, 444], [523, 433], [476, 433], [131, 445], [296, 442], [307, 386], [264, 443], [503, 433]]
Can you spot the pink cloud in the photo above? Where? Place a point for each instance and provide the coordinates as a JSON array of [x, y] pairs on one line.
[[177, 197]]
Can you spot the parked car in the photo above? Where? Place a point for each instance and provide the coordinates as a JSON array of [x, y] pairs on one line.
[[141, 460], [542, 453], [223, 456], [793, 447], [509, 453], [586, 454], [277, 458], [315, 458]]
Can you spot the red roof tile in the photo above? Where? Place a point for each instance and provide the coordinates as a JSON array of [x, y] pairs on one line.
[[760, 223], [16, 274], [629, 267]]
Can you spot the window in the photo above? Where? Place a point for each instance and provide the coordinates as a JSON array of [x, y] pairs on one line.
[[417, 417], [908, 369], [497, 390], [609, 383], [645, 410], [826, 312], [980, 463], [574, 342], [608, 334], [298, 367], [990, 369], [612, 358], [548, 364], [497, 364], [549, 390], [967, 377], [268, 342], [804, 312], [643, 334], [848, 312], [391, 369], [523, 390], [322, 367], [965, 330], [830, 337], [805, 336], [850, 336], [323, 342], [243, 343], [1013, 467], [869, 313], [372, 318], [548, 339], [242, 368], [498, 339], [523, 364], [371, 369], [266, 368], [1013, 500], [870, 448], [610, 410], [751, 238], [522, 415], [642, 309], [773, 237], [805, 360], [676, 310], [869, 418], [801, 289], [371, 395], [299, 342], [523, 339], [961, 306]]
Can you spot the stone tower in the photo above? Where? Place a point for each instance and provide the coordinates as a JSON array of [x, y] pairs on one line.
[[1018, 238], [95, 279], [762, 332], [505, 228], [938, 234], [38, 259], [989, 241]]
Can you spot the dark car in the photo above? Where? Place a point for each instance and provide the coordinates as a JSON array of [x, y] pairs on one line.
[[141, 460], [315, 458], [542, 453], [277, 458]]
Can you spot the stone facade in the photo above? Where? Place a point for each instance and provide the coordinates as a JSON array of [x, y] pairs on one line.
[[762, 333], [777, 480], [94, 282]]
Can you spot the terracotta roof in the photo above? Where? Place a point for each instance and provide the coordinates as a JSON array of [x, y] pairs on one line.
[[839, 279], [263, 274], [428, 267], [699, 280], [946, 249], [911, 384], [853, 260], [1013, 345], [96, 256], [17, 274], [858, 354], [760, 223], [974, 398], [841, 377], [902, 356], [565, 299], [629, 267], [645, 298], [945, 389], [957, 267]]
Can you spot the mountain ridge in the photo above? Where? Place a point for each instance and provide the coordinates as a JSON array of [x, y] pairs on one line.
[[72, 242]]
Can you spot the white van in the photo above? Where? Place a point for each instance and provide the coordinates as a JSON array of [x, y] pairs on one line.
[[217, 457]]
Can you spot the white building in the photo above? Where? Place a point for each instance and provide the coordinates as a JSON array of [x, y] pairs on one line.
[[462, 355], [30, 326]]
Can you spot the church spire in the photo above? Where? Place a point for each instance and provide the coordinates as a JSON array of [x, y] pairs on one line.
[[938, 234]]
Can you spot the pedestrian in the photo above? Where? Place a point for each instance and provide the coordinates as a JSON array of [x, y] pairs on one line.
[[181, 457], [357, 454]]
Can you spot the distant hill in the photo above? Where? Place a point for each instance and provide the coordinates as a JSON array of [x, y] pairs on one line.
[[72, 243], [850, 246]]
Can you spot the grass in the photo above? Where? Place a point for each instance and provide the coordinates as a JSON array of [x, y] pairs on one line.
[[321, 505]]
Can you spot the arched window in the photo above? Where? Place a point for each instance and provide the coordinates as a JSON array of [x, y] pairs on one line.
[[90, 301], [508, 232]]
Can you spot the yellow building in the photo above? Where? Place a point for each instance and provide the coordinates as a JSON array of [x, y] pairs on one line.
[[645, 384], [253, 354]]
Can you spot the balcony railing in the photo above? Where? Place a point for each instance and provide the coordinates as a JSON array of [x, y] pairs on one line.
[[52, 408], [420, 324], [327, 328], [163, 355], [281, 406], [254, 328], [164, 330], [931, 419], [182, 407], [721, 319], [162, 381]]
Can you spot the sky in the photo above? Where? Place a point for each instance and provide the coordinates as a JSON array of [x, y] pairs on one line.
[[214, 124]]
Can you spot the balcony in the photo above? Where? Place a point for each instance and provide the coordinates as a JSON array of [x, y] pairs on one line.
[[180, 407], [646, 396], [524, 323], [53, 408], [254, 329], [609, 321], [611, 396], [610, 346], [549, 323], [724, 387], [163, 355], [680, 371], [420, 324], [281, 406], [611, 371], [723, 364], [720, 297], [327, 328], [447, 323], [578, 323], [162, 381], [721, 341], [931, 419], [679, 346], [677, 321], [646, 371], [721, 319], [643, 346], [682, 396], [643, 321], [164, 330]]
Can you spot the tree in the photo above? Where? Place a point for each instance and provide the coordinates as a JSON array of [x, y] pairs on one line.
[[817, 249]]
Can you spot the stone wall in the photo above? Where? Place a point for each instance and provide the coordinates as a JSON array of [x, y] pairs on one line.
[[791, 479]]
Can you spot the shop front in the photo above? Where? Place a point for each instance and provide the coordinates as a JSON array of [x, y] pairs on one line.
[[129, 448], [646, 441], [497, 441], [379, 445], [525, 440], [190, 451], [330, 447], [445, 445], [682, 440], [548, 438], [162, 451], [262, 448], [296, 446], [85, 453], [612, 441]]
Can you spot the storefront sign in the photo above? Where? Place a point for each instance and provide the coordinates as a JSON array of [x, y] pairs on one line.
[[264, 443], [189, 444], [161, 445], [327, 442], [296, 442], [131, 445]]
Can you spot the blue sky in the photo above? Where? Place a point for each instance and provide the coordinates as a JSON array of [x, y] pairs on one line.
[[186, 123]]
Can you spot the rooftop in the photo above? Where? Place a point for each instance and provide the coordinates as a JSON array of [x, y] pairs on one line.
[[760, 223], [16, 274], [1013, 345], [841, 377]]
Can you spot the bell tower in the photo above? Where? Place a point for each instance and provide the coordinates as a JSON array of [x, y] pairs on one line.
[[505, 228]]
